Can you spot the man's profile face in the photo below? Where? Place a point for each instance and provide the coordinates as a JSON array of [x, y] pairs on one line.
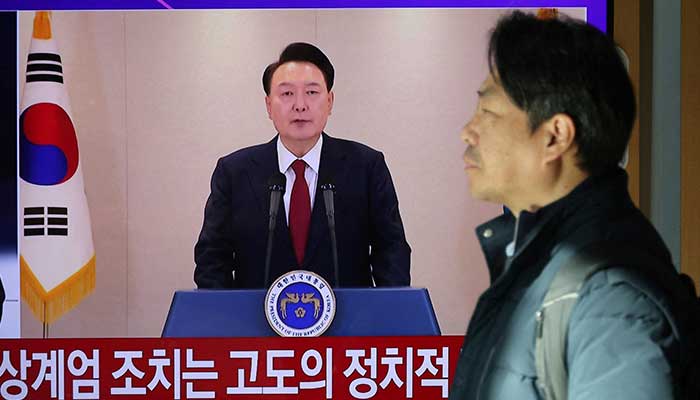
[[299, 104], [502, 155]]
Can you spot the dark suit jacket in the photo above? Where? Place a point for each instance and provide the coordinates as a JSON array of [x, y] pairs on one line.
[[230, 252], [2, 298]]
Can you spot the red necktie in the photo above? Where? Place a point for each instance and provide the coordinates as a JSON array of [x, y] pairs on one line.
[[299, 210]]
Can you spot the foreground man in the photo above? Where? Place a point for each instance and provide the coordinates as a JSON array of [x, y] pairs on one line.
[[553, 119]]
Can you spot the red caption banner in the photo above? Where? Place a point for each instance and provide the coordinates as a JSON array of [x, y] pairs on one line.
[[406, 367]]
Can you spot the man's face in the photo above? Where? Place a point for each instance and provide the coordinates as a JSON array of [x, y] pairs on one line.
[[502, 153], [299, 104]]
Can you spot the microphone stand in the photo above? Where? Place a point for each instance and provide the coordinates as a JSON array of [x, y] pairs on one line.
[[276, 184], [328, 192]]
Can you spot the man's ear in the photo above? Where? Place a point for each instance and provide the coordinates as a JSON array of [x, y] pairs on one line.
[[331, 98], [558, 133], [267, 105]]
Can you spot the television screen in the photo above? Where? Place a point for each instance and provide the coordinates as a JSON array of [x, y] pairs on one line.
[[154, 92]]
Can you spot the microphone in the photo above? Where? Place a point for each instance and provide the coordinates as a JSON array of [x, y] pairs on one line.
[[276, 185], [328, 189]]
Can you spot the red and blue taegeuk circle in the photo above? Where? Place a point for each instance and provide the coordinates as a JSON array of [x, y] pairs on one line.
[[48, 147]]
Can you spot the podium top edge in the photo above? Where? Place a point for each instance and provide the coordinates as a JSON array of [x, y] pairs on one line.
[[344, 289]]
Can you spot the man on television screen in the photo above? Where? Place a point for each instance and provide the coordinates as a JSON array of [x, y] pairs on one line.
[[371, 244], [553, 119]]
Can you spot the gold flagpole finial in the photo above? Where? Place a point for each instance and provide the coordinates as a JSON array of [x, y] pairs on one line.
[[42, 25]]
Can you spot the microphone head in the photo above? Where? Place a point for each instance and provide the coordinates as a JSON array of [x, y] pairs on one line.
[[325, 181], [277, 182]]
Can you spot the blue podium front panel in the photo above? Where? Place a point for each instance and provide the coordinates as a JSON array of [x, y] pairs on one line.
[[359, 312]]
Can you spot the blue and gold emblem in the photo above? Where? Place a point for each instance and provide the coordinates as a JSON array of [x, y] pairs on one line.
[[300, 303]]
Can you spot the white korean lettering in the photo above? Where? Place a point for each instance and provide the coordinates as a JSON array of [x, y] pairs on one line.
[[279, 374], [242, 388], [51, 369], [128, 366], [84, 389], [191, 363]]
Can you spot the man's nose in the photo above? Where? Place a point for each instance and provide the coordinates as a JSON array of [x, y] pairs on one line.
[[468, 134], [299, 104]]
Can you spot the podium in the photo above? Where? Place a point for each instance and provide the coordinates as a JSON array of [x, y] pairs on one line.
[[401, 311]]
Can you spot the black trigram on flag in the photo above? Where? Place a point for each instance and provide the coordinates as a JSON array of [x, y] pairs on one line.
[[44, 67], [40, 221]]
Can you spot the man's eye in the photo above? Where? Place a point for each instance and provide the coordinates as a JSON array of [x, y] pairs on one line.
[[312, 92], [287, 93]]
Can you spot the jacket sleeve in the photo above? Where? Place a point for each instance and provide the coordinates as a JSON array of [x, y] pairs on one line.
[[390, 255], [620, 343], [214, 251]]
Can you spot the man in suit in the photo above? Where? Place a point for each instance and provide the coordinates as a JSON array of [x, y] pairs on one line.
[[372, 248]]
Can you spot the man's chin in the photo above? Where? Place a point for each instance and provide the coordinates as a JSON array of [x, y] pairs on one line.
[[479, 196], [474, 191], [478, 192], [297, 135]]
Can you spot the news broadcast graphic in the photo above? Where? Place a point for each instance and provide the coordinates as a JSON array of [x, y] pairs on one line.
[[416, 367], [57, 257]]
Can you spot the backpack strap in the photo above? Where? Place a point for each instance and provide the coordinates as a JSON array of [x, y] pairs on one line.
[[552, 320]]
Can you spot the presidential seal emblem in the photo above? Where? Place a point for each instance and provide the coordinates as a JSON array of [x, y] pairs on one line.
[[300, 303]]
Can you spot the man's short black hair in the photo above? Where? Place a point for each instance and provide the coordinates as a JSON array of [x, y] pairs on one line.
[[562, 65], [303, 52]]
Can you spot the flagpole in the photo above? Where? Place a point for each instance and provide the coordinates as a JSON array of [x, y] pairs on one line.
[[45, 325]]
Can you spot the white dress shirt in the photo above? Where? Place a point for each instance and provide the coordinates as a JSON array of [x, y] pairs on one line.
[[312, 158]]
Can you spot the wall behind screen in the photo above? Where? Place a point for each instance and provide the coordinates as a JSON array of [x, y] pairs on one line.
[[158, 97]]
